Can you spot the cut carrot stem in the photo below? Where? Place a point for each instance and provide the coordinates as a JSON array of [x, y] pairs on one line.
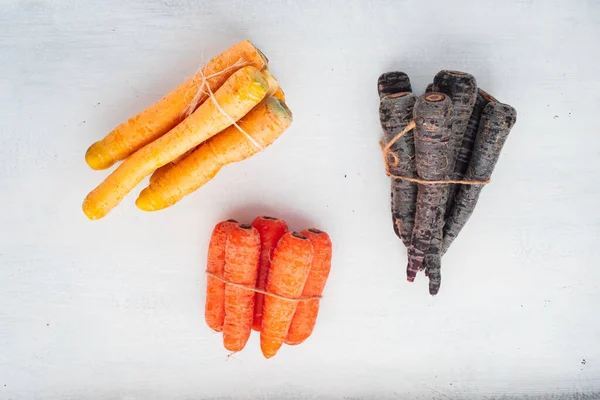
[[305, 317], [214, 312], [242, 252], [289, 271], [271, 81], [433, 119], [265, 123], [393, 82], [279, 94], [240, 93], [165, 114], [270, 230]]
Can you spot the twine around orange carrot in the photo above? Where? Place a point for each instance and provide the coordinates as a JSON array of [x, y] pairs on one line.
[[253, 289]]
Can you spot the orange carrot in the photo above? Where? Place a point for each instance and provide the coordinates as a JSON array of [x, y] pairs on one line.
[[290, 267], [242, 252], [161, 117], [265, 123], [240, 93], [214, 311], [305, 317], [270, 230]]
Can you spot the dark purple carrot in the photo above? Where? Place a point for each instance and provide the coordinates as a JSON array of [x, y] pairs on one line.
[[393, 82], [496, 122], [429, 88], [433, 118], [395, 113], [466, 149], [462, 89]]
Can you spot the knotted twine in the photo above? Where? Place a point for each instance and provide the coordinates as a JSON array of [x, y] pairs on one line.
[[387, 152]]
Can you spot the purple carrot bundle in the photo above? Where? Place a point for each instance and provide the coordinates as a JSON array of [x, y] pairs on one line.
[[440, 150]]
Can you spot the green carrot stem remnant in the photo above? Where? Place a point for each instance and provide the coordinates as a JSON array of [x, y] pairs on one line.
[[462, 89], [395, 113], [393, 82], [433, 114], [497, 119]]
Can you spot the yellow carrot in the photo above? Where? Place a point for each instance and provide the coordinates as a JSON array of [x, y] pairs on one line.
[[263, 124], [240, 93], [162, 116]]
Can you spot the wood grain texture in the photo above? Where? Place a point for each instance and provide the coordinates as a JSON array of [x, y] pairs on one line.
[[113, 309]]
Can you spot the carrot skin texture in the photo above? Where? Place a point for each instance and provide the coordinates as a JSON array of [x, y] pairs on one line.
[[393, 82], [240, 93], [270, 230], [497, 119], [290, 268], [305, 317], [432, 136], [214, 311], [395, 113], [165, 114], [242, 252], [265, 123], [462, 90]]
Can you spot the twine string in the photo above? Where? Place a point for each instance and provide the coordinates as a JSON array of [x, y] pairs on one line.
[[386, 152], [253, 289]]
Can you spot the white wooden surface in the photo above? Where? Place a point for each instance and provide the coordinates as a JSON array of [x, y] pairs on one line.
[[113, 309]]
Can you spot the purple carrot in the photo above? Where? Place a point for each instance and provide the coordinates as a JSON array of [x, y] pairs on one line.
[[462, 89], [393, 82], [495, 124], [395, 113], [433, 117]]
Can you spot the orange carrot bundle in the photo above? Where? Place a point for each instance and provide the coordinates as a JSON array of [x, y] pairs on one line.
[[165, 114], [242, 253], [290, 268], [306, 313], [214, 312], [270, 230], [262, 263]]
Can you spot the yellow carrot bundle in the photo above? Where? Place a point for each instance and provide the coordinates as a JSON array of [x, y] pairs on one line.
[[238, 95]]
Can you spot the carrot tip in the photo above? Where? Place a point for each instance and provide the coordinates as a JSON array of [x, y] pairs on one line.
[[93, 157], [147, 202]]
